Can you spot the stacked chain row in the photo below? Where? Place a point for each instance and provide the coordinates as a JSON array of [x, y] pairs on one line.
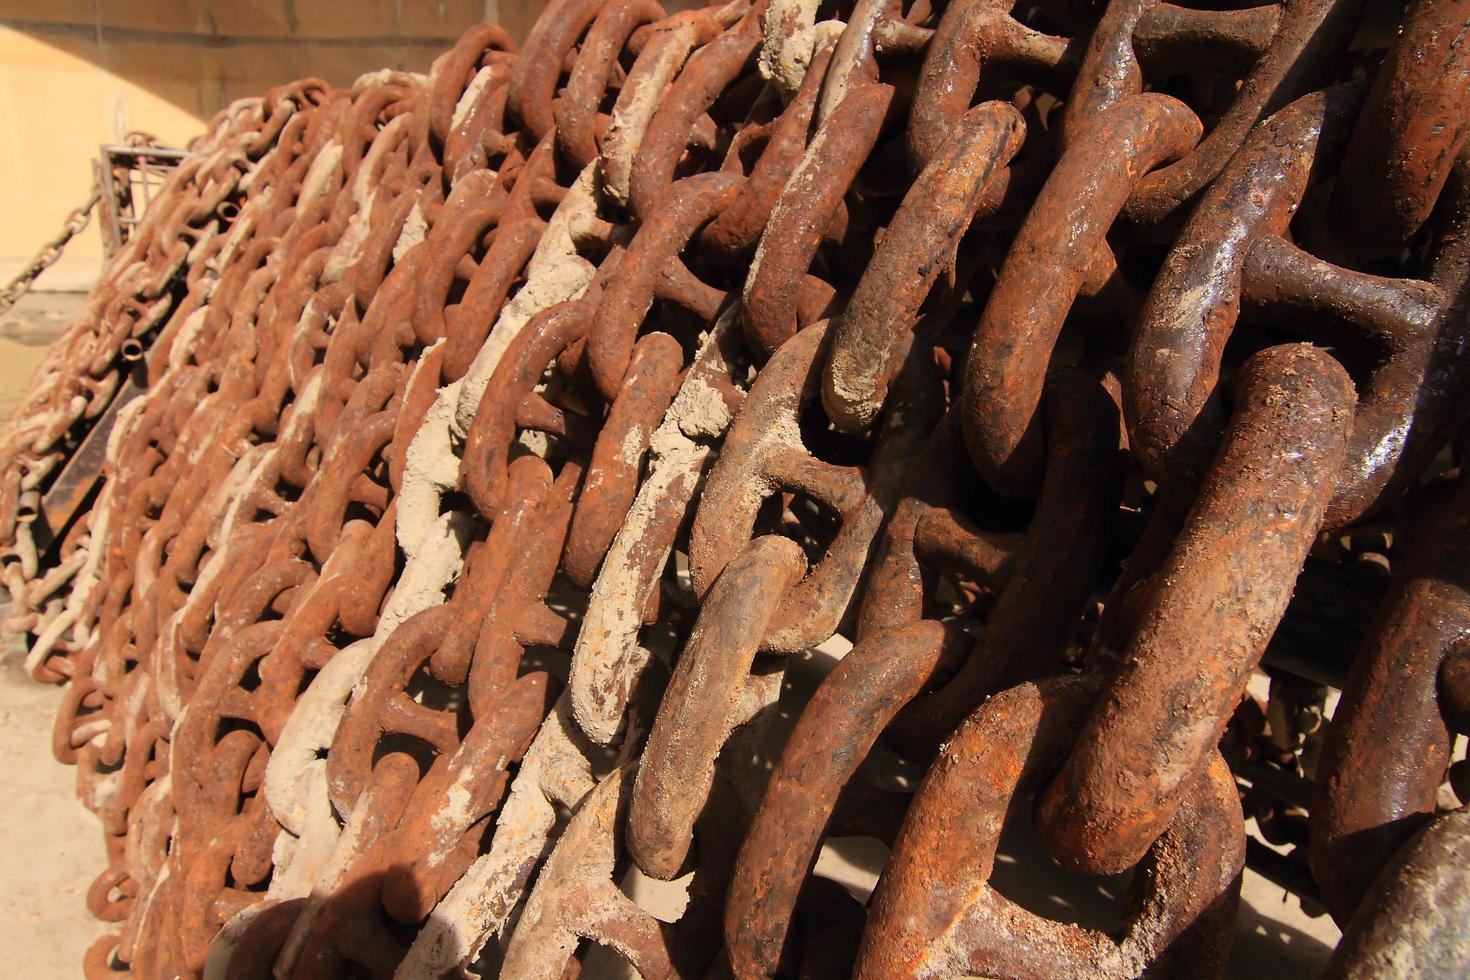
[[503, 434]]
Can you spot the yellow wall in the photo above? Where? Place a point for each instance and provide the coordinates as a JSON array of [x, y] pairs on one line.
[[78, 73]]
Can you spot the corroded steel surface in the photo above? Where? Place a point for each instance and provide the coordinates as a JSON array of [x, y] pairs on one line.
[[484, 453]]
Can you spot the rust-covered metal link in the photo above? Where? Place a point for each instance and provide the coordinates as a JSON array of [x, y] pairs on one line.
[[1062, 238], [932, 534], [576, 897], [1231, 258], [935, 914], [447, 507], [1307, 39], [970, 36], [608, 659], [1411, 130], [1034, 615], [555, 773], [711, 693], [72, 226], [1221, 593], [765, 453], [1413, 918], [868, 340], [803, 214], [831, 739], [1392, 736]]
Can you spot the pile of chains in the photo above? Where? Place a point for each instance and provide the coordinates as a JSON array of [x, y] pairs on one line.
[[508, 432]]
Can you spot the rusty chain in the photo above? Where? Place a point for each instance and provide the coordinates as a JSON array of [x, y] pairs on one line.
[[484, 453], [76, 221], [74, 224]]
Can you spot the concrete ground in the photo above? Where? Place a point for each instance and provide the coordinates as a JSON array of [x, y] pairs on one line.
[[51, 847], [25, 331]]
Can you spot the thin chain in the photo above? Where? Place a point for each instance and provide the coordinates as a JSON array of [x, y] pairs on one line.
[[50, 252]]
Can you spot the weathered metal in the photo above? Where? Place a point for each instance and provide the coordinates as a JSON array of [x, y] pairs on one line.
[[935, 914], [1048, 261], [711, 693], [1390, 741], [867, 340], [512, 430], [831, 739], [1220, 593], [1412, 921], [1052, 575], [1409, 133], [765, 453], [1231, 256]]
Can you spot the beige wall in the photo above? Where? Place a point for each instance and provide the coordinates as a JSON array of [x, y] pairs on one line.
[[78, 73]]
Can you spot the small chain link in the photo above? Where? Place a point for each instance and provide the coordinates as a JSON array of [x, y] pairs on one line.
[[50, 252]]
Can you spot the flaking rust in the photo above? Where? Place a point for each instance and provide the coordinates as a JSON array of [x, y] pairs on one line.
[[485, 452]]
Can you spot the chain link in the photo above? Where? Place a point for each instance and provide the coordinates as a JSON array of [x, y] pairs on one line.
[[496, 439], [44, 259]]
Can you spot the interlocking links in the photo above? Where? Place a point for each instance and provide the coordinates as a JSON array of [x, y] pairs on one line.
[[868, 340], [469, 441], [765, 452], [576, 897], [486, 460], [1220, 593], [612, 479], [738, 229], [538, 69], [651, 256], [1196, 299], [1035, 612], [71, 227], [576, 111], [1043, 273], [1403, 404], [934, 913], [608, 659], [1413, 920], [704, 79], [664, 54], [1231, 257], [831, 739], [933, 533], [554, 773], [446, 638], [971, 36], [804, 212], [1391, 738], [454, 74], [706, 700], [1309, 37]]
